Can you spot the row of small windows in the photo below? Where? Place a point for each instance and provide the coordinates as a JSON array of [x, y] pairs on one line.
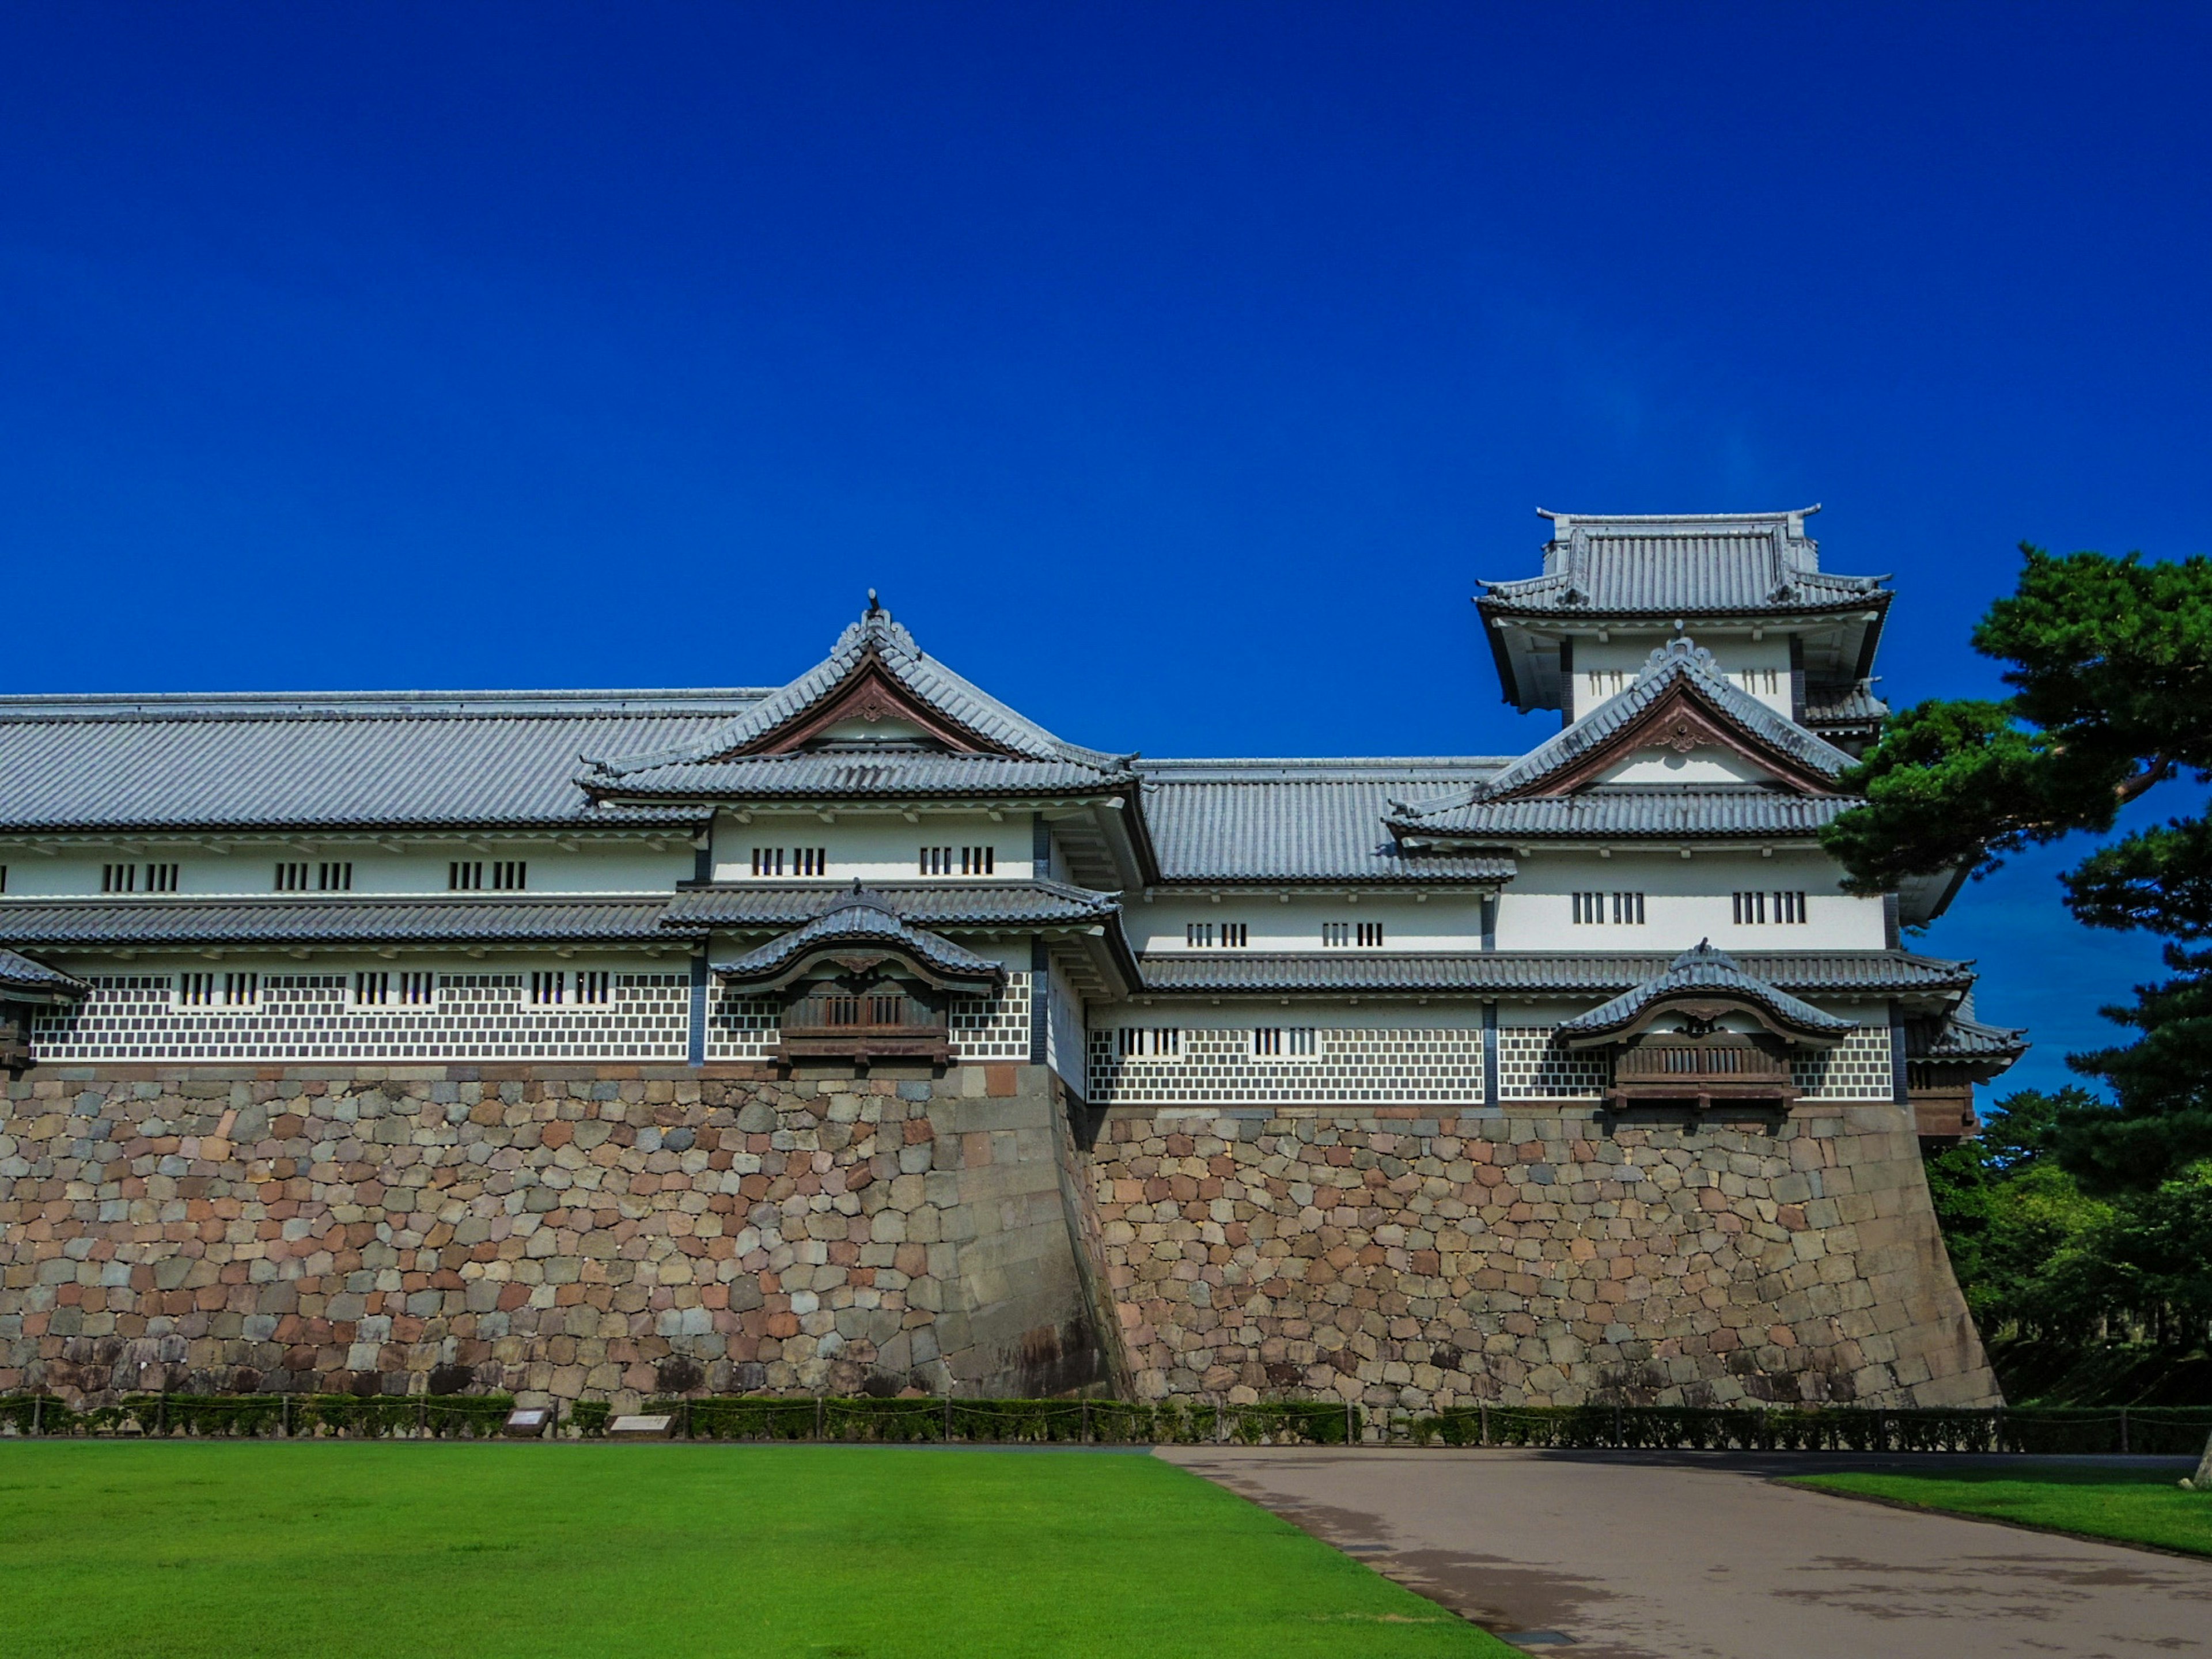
[[380, 988], [219, 990], [972, 861], [1204, 935], [804, 860], [327, 877], [1752, 908], [552, 990], [1591, 909], [138, 878], [1367, 935], [1165, 1042], [507, 875]]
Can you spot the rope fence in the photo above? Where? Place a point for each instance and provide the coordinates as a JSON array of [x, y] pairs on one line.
[[2137, 1430]]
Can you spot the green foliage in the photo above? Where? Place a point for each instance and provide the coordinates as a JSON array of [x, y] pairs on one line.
[[2111, 665], [2038, 1255], [1825, 1428], [590, 1416]]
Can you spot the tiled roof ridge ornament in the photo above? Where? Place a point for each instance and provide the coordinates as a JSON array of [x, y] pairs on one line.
[[1680, 649]]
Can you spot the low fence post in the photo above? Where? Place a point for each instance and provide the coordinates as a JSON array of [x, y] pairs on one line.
[[2124, 1430], [1086, 1419], [1484, 1405], [285, 1416], [37, 1400], [1347, 1422], [948, 1417], [817, 1417]]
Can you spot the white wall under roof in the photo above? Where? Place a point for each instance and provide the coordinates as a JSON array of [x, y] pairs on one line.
[[1684, 900], [249, 870], [875, 846]]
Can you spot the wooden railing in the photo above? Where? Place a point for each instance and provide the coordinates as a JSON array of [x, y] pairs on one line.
[[1703, 1068], [862, 1026]]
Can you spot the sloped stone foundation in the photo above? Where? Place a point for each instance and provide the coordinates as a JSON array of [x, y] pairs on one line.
[[1533, 1257], [593, 1231]]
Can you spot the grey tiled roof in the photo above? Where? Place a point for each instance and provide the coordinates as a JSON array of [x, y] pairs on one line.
[[1964, 1038], [1703, 970], [1677, 660], [34, 979], [612, 768], [748, 905], [417, 760], [1630, 814], [321, 920], [895, 774], [859, 917], [1698, 566], [1531, 972], [1288, 821], [1853, 705]]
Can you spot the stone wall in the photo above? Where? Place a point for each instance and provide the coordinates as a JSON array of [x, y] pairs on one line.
[[596, 1232], [1413, 1259]]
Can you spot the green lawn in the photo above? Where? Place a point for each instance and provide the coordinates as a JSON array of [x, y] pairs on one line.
[[421, 1551], [2129, 1505]]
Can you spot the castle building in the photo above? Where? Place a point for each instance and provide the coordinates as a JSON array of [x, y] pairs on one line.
[[860, 1033]]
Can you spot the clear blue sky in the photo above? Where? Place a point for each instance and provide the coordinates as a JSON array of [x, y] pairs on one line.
[[1174, 370]]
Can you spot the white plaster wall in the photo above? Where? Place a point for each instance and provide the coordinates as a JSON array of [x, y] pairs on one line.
[[1686, 900], [1707, 766], [251, 870], [1337, 1013], [1447, 921], [878, 847], [1760, 665]]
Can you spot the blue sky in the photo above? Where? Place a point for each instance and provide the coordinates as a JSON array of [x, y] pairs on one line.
[[1174, 370]]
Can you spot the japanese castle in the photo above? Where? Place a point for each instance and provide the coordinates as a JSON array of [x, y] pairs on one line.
[[881, 865]]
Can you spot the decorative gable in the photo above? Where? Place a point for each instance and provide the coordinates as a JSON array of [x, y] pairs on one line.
[[871, 699], [1683, 718]]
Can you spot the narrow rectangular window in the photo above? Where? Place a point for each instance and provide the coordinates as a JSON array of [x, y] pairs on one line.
[[372, 990], [291, 877], [1336, 932], [160, 878], [241, 990], [1371, 935], [510, 875], [978, 860], [418, 990], [1628, 909], [547, 988], [196, 990], [1267, 1040], [118, 877], [1236, 934], [465, 875], [809, 861], [1198, 935], [937, 860], [1302, 1039], [3, 877], [767, 861], [334, 877], [592, 986]]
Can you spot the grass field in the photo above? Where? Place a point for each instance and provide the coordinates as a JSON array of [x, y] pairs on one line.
[[2129, 1506], [439, 1551]]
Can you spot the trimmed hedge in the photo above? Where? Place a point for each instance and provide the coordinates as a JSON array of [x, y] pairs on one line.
[[253, 1416], [2173, 1430], [1067, 1422]]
